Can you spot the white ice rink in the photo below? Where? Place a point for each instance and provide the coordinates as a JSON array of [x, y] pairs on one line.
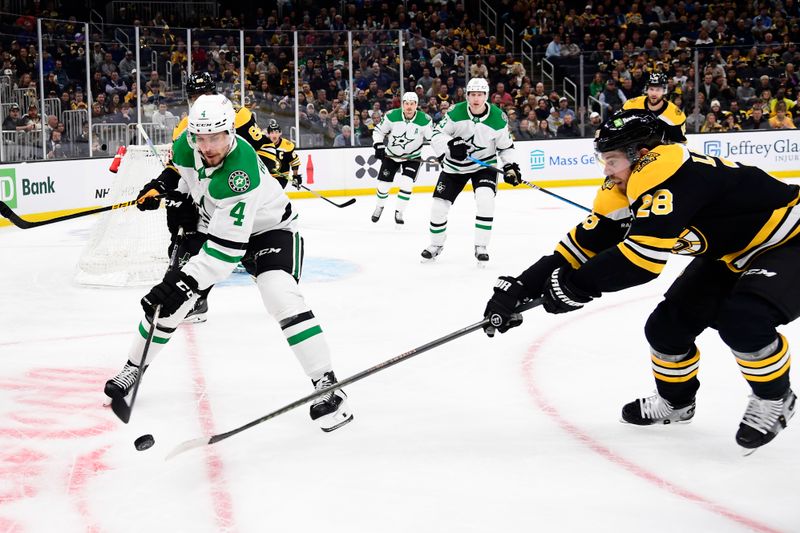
[[519, 433]]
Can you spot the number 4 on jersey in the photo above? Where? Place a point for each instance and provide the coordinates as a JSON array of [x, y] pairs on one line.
[[238, 213]]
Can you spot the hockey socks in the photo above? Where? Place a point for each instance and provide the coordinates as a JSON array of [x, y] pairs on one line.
[[484, 215], [404, 193]]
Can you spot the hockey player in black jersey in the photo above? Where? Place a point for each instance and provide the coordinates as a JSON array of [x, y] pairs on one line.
[[655, 101], [739, 223]]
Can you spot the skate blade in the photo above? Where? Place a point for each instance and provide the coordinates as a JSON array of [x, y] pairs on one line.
[[747, 452], [426, 260], [337, 426], [195, 319]]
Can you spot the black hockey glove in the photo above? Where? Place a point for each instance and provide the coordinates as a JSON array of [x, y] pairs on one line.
[[181, 212], [458, 149], [380, 151], [500, 310], [512, 174], [560, 295], [149, 197], [171, 293], [297, 181]]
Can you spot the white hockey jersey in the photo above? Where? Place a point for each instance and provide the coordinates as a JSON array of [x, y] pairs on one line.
[[487, 136], [402, 137], [237, 199]]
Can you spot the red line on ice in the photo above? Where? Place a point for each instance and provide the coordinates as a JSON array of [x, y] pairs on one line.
[[221, 497], [550, 410]]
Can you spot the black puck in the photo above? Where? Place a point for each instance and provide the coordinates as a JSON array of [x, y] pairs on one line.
[[144, 442]]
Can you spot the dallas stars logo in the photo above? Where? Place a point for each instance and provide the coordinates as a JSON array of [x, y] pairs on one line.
[[239, 181], [402, 141], [473, 147]]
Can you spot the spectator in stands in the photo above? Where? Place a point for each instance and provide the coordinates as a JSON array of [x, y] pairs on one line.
[[361, 131], [729, 122], [51, 125], [553, 50], [745, 93], [33, 119], [155, 85], [611, 99], [569, 49], [125, 115], [127, 67], [628, 90], [595, 121], [108, 66], [54, 148], [62, 78], [781, 120], [13, 122], [543, 131], [563, 108], [505, 98], [163, 118], [346, 139], [525, 131], [568, 129], [711, 125], [554, 120], [116, 85], [709, 89]]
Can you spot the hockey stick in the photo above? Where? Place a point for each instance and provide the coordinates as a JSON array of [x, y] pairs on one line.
[[150, 144], [26, 224], [120, 407], [204, 441], [529, 184], [351, 201]]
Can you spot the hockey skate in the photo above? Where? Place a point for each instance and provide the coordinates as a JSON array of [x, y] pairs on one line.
[[398, 218], [482, 255], [198, 312], [376, 215], [656, 410], [763, 420], [330, 410], [431, 252], [120, 385]]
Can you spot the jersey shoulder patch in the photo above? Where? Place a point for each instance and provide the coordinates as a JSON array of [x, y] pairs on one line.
[[673, 115], [611, 203], [635, 103], [656, 167], [180, 128], [286, 145], [458, 112], [238, 175]]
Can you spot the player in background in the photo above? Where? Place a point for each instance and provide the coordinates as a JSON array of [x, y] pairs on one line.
[[287, 162], [479, 129], [655, 101], [398, 140], [247, 218], [739, 223], [181, 211]]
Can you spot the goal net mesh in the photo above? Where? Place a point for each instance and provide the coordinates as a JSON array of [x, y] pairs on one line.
[[128, 247]]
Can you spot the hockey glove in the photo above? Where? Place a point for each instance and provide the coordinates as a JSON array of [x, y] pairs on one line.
[[149, 197], [560, 295], [171, 293], [297, 181], [380, 151], [512, 174], [458, 149], [500, 310], [181, 212]]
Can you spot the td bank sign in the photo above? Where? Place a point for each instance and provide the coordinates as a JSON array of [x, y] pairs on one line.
[[8, 187]]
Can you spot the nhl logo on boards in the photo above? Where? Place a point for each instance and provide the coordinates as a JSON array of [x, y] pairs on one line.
[[239, 181]]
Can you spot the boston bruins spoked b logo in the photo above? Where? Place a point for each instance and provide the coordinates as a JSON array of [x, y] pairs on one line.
[[691, 242], [239, 181]]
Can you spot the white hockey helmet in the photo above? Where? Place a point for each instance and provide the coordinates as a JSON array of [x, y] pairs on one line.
[[478, 85], [212, 113], [411, 97]]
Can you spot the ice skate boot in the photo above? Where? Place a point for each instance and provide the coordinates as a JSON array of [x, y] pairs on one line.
[[431, 252], [764, 419], [120, 385], [482, 255], [198, 312], [656, 410], [376, 215], [330, 410], [398, 218]]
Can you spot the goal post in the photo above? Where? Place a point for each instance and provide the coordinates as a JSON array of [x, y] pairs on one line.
[[128, 247]]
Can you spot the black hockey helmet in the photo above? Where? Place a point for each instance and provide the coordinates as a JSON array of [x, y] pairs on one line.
[[629, 131], [200, 83], [657, 79], [273, 125]]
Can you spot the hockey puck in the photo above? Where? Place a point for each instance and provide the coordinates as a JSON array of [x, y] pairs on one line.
[[144, 442]]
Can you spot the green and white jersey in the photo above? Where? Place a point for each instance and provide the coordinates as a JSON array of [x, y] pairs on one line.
[[487, 136], [402, 137], [236, 199]]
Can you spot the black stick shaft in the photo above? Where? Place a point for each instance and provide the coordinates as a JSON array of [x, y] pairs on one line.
[[27, 224], [351, 201]]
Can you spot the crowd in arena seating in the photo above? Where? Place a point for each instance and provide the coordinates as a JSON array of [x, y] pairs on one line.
[[747, 68]]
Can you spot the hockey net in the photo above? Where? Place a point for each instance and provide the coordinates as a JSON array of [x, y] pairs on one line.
[[128, 247]]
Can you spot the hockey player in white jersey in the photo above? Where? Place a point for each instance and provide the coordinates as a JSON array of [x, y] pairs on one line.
[[479, 129], [397, 141], [246, 217]]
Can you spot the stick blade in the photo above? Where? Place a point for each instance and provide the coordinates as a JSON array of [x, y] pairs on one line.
[[188, 445], [121, 409], [351, 201]]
